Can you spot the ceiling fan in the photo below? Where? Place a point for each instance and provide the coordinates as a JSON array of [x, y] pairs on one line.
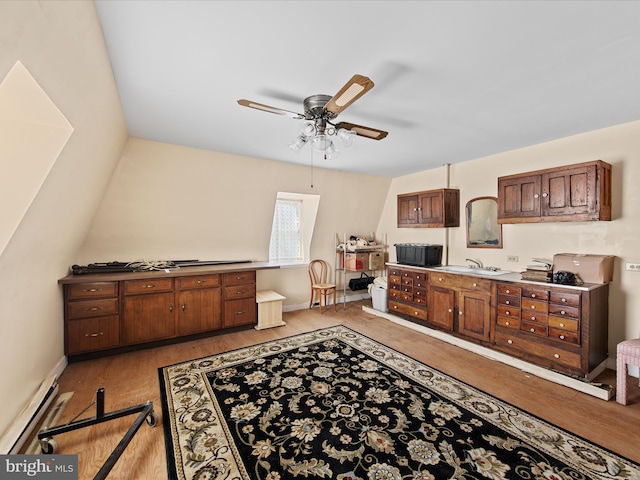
[[319, 113]]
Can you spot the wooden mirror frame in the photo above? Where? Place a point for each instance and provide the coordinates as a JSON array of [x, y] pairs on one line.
[[494, 241]]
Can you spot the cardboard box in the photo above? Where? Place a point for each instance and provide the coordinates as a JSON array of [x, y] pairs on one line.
[[357, 261], [589, 268], [376, 261]]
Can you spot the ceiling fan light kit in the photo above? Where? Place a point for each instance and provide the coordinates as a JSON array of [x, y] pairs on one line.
[[319, 110]]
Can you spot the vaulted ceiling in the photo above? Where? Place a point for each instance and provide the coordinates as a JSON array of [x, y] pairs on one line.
[[454, 80]]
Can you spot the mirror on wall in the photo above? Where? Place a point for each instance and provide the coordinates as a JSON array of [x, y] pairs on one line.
[[483, 229]]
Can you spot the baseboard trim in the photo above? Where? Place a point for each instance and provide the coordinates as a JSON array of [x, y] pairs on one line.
[[22, 427]]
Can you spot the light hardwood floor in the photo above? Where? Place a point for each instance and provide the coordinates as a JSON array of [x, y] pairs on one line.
[[132, 378]]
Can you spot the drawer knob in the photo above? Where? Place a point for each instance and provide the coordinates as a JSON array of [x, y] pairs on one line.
[[450, 311], [241, 312], [562, 312], [533, 318], [533, 295], [92, 289], [562, 324], [395, 307], [475, 284], [94, 309], [508, 291], [561, 337], [509, 342], [533, 330], [507, 323], [533, 307], [93, 334], [507, 312], [149, 286], [564, 300], [439, 279], [507, 302], [555, 355]]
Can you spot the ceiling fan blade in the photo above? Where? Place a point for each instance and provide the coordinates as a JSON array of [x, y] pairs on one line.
[[361, 131], [267, 108], [353, 90]]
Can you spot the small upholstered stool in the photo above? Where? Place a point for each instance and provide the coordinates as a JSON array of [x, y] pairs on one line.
[[628, 353]]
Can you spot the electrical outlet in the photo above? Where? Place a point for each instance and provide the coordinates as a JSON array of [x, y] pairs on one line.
[[512, 258], [634, 267]]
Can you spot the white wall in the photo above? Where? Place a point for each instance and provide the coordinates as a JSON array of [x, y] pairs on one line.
[[618, 146], [171, 202], [61, 45]]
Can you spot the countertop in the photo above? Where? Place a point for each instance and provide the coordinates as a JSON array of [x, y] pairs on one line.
[[179, 272], [507, 276]]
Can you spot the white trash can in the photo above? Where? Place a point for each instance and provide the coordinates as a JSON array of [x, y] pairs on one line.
[[379, 297]]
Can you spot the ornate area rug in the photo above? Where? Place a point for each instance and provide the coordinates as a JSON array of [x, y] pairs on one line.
[[334, 404]]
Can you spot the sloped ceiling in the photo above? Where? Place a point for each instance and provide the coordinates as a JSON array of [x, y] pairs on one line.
[[454, 80]]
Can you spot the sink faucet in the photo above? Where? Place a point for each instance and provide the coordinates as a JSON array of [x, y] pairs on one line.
[[477, 262]]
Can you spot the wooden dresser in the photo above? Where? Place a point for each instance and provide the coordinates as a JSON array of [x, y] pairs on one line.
[[112, 311]]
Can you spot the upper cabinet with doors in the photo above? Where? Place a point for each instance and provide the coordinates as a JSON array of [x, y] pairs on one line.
[[580, 192], [433, 208]]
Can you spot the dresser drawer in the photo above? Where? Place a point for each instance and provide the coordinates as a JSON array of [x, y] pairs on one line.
[[535, 328], [539, 306], [460, 282], [533, 316], [92, 334], [563, 298], [508, 289], [509, 322], [564, 311], [535, 293], [563, 323], [508, 311], [239, 278], [199, 281], [564, 336], [508, 300], [91, 290], [409, 310], [240, 291], [552, 355], [240, 312], [135, 287], [395, 280], [92, 308]]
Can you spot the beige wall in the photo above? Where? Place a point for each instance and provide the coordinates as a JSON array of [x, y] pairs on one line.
[[61, 45], [171, 202], [618, 146]]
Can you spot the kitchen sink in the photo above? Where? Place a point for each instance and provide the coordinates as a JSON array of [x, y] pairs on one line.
[[471, 270]]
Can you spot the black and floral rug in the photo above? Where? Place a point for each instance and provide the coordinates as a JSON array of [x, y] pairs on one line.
[[334, 404]]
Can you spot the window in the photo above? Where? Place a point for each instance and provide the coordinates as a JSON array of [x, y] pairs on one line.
[[294, 217]]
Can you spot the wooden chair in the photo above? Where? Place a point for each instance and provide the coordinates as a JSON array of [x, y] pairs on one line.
[[318, 274]]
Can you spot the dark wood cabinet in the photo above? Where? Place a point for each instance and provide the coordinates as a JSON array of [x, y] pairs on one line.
[[580, 192], [432, 208], [111, 311], [559, 327], [460, 304]]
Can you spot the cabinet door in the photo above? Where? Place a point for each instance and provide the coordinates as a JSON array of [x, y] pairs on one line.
[[519, 196], [431, 207], [147, 318], [441, 307], [199, 310], [474, 315], [569, 191], [407, 210]]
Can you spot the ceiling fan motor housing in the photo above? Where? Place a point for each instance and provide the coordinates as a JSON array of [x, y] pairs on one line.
[[314, 107]]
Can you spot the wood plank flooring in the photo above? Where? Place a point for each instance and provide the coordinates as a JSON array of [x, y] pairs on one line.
[[132, 378]]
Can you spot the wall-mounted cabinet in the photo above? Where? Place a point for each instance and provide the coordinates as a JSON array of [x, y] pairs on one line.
[[432, 208], [573, 193]]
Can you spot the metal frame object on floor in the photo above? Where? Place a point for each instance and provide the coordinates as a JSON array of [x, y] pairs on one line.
[[146, 413]]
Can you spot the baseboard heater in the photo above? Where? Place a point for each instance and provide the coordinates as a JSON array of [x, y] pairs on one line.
[[22, 427]]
